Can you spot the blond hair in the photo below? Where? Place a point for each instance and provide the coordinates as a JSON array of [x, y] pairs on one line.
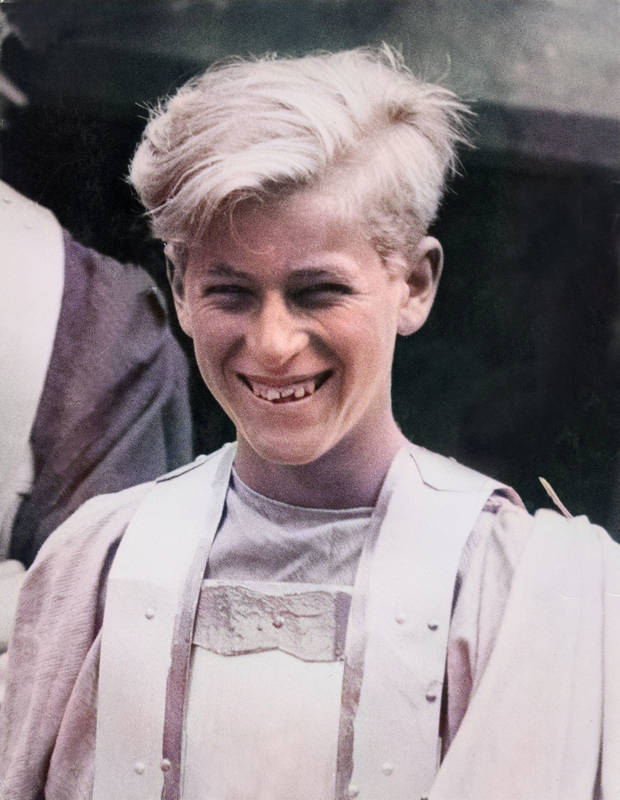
[[358, 122]]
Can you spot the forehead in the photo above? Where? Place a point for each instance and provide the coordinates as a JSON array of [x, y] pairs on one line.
[[301, 229]]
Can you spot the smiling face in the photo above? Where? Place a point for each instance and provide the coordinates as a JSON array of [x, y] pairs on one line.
[[294, 318]]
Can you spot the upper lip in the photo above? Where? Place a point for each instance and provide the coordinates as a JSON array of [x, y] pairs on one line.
[[284, 380]]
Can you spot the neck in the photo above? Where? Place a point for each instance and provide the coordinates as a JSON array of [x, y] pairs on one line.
[[348, 476]]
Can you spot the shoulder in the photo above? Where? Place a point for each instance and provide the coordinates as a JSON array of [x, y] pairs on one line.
[[573, 557], [502, 525], [446, 473], [75, 554], [121, 302], [101, 518], [103, 271], [510, 551], [500, 534], [563, 531], [512, 556], [85, 543]]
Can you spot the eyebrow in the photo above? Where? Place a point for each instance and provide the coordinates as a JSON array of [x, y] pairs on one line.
[[223, 270], [318, 273]]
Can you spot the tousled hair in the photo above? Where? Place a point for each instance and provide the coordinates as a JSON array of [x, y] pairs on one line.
[[356, 123]]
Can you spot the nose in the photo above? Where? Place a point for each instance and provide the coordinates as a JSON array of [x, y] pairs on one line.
[[276, 336]]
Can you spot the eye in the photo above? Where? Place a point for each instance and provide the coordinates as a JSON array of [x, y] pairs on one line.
[[321, 295], [231, 297]]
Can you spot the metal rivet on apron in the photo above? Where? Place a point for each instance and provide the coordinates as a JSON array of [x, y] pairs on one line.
[[352, 791], [149, 613], [165, 764], [431, 696], [278, 622], [432, 625], [400, 618], [139, 768], [387, 768]]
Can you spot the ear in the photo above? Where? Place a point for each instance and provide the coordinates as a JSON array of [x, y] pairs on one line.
[[422, 278], [175, 278]]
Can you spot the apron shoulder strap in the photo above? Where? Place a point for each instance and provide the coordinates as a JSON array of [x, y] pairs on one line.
[[152, 589], [398, 629]]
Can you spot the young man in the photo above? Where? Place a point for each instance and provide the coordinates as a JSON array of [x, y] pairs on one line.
[[322, 609]]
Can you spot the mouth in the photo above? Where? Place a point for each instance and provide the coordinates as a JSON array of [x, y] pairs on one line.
[[290, 392]]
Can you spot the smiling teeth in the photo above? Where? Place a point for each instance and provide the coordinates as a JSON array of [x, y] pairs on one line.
[[272, 393]]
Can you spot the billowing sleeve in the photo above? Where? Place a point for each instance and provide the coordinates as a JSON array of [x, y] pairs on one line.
[[541, 702], [47, 719], [484, 579]]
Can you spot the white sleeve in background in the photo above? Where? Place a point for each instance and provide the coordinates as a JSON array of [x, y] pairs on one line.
[[32, 259]]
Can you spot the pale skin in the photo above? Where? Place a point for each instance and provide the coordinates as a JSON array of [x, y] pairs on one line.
[[294, 318]]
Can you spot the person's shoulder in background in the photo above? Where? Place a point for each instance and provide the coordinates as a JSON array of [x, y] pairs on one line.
[[115, 405]]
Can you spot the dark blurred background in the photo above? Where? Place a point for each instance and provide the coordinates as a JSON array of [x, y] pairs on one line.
[[517, 372]]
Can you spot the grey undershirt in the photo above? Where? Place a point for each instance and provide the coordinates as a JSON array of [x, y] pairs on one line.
[[263, 539]]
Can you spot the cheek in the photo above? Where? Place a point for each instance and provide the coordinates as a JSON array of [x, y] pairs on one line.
[[366, 348], [210, 343]]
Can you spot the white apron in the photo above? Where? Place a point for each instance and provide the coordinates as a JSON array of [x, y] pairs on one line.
[[230, 690]]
